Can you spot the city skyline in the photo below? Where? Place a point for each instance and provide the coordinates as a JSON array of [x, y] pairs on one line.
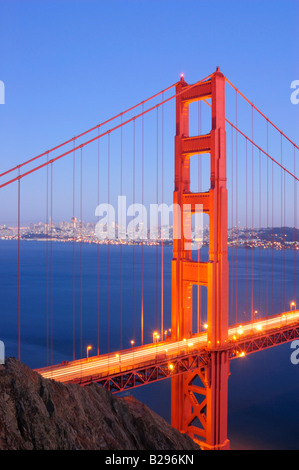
[[68, 232]]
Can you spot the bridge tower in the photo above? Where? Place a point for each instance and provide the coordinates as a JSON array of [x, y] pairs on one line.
[[199, 398]]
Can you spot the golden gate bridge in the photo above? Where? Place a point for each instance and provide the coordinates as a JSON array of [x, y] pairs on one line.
[[246, 170]]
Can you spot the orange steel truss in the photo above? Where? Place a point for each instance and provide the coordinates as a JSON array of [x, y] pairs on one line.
[[199, 398]]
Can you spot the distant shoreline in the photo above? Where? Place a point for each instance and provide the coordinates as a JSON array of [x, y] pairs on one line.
[[166, 243]]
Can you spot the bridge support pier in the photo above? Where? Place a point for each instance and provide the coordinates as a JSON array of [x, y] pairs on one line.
[[199, 403]]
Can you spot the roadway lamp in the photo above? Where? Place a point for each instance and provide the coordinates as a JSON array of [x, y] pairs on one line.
[[87, 350]]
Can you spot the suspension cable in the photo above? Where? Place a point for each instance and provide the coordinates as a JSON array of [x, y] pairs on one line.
[[54, 159]]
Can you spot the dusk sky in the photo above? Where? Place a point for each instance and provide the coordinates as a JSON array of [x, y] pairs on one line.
[[69, 65]]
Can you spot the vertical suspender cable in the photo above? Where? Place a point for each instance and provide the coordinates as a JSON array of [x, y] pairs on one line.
[[142, 247], [267, 276], [157, 199], [281, 229], [260, 222], [74, 237], [295, 224], [232, 229], [47, 260], [284, 239], [133, 234], [51, 261], [236, 318], [252, 217], [81, 257], [121, 223], [19, 268], [98, 257], [108, 251], [162, 244], [272, 280], [246, 224]]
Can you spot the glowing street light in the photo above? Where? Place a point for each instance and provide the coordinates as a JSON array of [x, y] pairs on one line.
[[293, 305], [87, 350], [132, 344], [157, 339]]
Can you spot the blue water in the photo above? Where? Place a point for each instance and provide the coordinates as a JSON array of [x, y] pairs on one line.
[[263, 387]]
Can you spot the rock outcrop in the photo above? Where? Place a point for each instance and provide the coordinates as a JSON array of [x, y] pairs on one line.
[[41, 414]]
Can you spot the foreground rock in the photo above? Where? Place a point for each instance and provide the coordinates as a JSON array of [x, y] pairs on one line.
[[36, 413]]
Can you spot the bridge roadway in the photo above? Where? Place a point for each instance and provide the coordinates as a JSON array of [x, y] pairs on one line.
[[127, 360]]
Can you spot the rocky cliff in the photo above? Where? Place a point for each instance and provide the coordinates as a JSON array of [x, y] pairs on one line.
[[36, 413]]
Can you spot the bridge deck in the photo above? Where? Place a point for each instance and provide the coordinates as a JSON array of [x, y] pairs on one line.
[[163, 359]]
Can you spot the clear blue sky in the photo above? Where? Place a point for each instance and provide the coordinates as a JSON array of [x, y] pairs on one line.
[[69, 64]]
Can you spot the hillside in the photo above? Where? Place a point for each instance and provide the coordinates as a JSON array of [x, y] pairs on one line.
[[40, 414]]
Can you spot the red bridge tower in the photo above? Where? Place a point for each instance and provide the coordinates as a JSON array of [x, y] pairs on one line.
[[199, 398]]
